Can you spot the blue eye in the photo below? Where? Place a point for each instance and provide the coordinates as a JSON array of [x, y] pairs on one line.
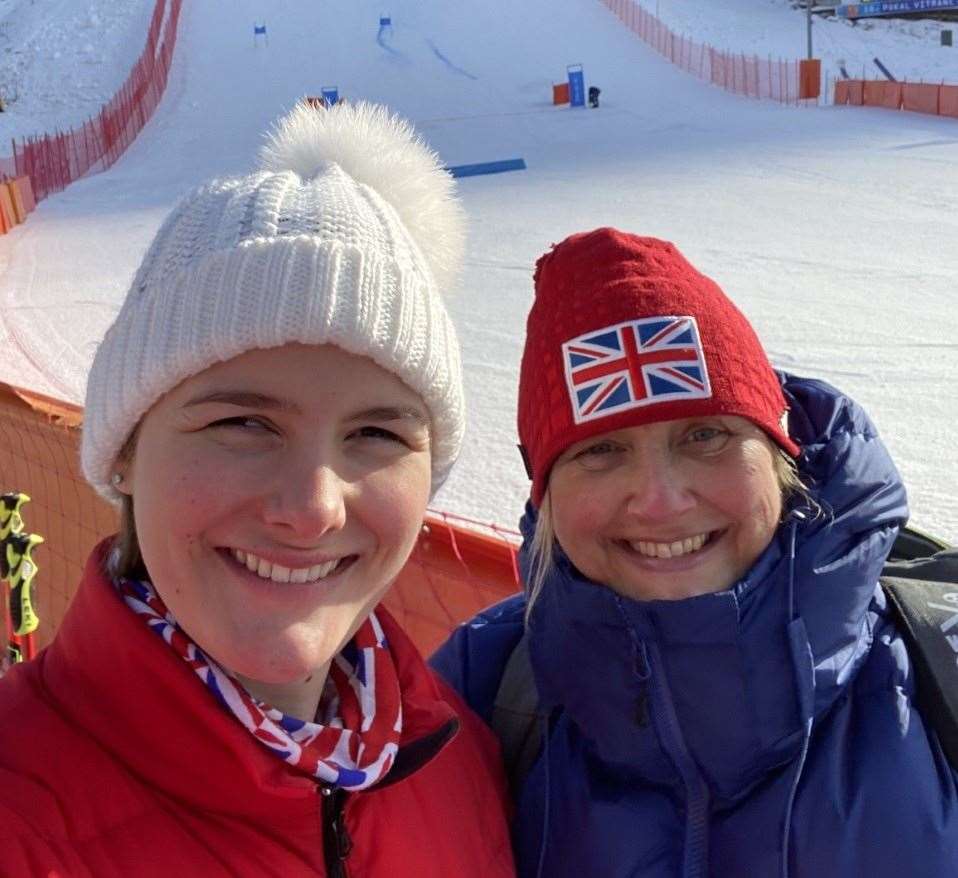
[[706, 439], [703, 434]]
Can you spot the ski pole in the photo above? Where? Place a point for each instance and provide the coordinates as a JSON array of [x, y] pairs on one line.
[[21, 568], [11, 652], [11, 521]]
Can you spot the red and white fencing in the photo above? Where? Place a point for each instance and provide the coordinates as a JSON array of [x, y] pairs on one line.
[[53, 161], [788, 82]]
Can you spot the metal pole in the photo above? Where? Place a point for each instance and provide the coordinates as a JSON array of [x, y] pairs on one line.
[[808, 18]]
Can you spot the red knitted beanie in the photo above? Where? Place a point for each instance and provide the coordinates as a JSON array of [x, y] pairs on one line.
[[623, 332]]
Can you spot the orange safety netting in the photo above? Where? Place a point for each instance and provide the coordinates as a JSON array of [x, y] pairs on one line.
[[948, 101], [920, 97], [917, 97], [882, 93], [458, 566], [850, 91], [38, 456]]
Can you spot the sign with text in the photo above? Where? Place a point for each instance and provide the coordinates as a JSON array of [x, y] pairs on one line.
[[892, 7]]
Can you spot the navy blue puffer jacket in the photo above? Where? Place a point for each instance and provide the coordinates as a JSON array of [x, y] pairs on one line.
[[767, 730]]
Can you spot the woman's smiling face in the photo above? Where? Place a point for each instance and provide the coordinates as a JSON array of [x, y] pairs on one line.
[[276, 497], [668, 510]]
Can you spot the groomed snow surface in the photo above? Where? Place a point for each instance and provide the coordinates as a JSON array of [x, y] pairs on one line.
[[834, 229]]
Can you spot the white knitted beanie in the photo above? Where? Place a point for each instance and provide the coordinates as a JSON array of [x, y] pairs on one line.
[[348, 235]]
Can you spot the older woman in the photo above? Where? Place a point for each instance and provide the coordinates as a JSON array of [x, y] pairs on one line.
[[277, 400], [721, 688]]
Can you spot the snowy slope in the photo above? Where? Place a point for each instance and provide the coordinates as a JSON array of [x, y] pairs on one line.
[[61, 60], [910, 48], [832, 228]]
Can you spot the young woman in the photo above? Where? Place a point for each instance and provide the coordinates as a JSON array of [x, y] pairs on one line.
[[722, 691], [273, 407]]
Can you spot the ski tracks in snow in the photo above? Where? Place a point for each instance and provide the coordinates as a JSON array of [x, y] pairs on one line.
[[447, 62], [385, 40]]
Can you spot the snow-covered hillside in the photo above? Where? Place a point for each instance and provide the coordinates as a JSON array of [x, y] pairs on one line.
[[61, 60], [910, 48], [833, 228]]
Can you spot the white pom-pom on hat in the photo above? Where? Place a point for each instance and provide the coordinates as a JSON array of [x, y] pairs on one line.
[[347, 235], [381, 150]]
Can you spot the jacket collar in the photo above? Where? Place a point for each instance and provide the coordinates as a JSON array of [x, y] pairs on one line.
[[726, 658], [119, 683]]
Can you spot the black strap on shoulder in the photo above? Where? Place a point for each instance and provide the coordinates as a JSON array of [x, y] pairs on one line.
[[937, 567], [913, 544], [927, 613], [516, 716]]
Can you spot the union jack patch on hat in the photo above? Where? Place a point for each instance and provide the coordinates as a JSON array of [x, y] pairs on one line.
[[625, 332], [633, 364]]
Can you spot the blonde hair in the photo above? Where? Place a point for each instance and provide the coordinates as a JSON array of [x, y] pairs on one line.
[[542, 547], [541, 551], [126, 562]]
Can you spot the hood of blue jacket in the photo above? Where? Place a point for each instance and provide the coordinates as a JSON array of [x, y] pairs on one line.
[[740, 696]]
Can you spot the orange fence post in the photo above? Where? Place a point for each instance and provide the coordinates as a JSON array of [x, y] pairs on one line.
[[892, 95], [856, 88]]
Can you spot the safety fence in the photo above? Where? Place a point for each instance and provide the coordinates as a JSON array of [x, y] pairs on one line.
[[789, 82], [38, 456], [916, 97], [16, 202], [53, 161], [458, 566]]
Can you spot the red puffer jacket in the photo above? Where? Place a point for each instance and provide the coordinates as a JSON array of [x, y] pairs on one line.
[[116, 761]]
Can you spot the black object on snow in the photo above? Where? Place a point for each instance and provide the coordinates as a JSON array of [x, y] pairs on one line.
[[884, 70]]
